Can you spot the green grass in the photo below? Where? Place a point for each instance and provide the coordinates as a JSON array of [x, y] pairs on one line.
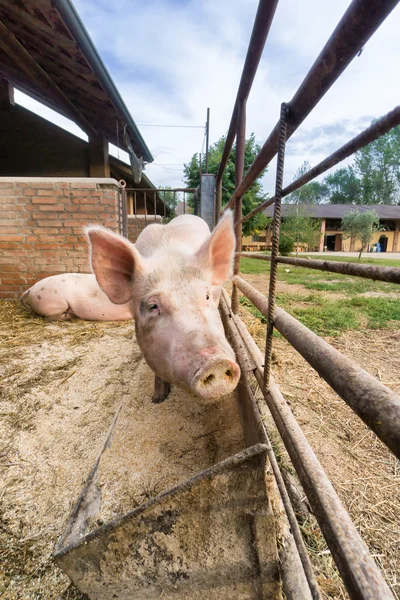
[[330, 316]]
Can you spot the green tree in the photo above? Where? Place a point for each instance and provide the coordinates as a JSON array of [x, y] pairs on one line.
[[310, 193], [360, 226], [299, 226], [254, 195], [378, 169], [343, 187]]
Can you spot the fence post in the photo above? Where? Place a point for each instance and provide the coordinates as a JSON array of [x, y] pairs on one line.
[[275, 241], [207, 199], [239, 169]]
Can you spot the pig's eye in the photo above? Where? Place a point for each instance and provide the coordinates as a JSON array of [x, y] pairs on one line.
[[207, 296], [152, 307]]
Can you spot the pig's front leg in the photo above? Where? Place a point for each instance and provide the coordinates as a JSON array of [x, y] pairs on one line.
[[161, 390]]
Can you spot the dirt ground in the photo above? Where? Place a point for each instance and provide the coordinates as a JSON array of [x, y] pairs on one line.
[[364, 473], [60, 386]]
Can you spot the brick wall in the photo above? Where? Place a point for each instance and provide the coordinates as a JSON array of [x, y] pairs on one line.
[[41, 226], [137, 224]]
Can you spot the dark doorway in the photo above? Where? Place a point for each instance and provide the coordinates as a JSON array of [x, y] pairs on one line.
[[330, 242], [383, 240]]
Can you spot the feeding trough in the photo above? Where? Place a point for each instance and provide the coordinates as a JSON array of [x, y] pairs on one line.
[[213, 534]]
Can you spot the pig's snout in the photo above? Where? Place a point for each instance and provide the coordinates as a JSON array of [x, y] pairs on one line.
[[219, 376]]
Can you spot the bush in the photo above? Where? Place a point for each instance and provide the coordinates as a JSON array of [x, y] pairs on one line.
[[285, 245]]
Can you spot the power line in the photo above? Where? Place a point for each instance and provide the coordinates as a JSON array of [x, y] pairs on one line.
[[180, 126]]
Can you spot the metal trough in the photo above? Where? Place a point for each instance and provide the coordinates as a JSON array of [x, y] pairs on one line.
[[211, 536]]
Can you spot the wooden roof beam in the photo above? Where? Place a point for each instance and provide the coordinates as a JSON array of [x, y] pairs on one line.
[[21, 57]]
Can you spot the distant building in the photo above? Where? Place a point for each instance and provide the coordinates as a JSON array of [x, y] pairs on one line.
[[331, 237]]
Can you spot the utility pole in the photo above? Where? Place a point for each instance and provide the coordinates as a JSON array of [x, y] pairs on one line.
[[207, 136]]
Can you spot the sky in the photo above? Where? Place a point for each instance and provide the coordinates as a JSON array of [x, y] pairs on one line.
[[171, 59]]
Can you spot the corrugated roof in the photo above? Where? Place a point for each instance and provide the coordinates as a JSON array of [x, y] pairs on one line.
[[337, 211], [46, 52]]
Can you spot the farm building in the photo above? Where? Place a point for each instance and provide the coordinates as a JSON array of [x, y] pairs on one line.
[[331, 238], [53, 183]]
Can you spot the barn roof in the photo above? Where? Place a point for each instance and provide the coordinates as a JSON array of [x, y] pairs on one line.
[[46, 52], [337, 211]]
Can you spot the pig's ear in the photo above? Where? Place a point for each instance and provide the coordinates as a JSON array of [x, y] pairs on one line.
[[115, 262], [217, 252]]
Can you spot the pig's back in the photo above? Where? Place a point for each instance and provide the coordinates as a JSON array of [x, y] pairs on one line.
[[186, 233]]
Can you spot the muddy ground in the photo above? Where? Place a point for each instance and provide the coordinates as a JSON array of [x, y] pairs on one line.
[[60, 385]]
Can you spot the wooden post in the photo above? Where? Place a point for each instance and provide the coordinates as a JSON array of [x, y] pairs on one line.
[[161, 390], [322, 236], [6, 95], [99, 162]]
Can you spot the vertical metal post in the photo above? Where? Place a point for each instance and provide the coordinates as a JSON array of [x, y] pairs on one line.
[[196, 202], [175, 200], [184, 203], [239, 168], [155, 206], [275, 242], [165, 207], [207, 137], [134, 202], [218, 200], [145, 207]]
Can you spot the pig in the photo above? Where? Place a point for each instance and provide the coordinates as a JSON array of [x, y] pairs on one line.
[[61, 297], [173, 276]]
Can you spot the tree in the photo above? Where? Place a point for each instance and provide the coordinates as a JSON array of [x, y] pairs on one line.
[[252, 198], [372, 178], [343, 187], [300, 226], [310, 193], [360, 226], [378, 169]]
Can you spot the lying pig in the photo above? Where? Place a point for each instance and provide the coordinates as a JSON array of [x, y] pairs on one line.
[[73, 294], [173, 276]]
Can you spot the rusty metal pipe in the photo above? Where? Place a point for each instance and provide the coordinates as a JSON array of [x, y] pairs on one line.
[[262, 23], [360, 574], [388, 274], [373, 402], [239, 169], [232, 320], [376, 130], [360, 21]]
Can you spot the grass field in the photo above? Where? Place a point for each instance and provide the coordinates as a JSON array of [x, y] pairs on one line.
[[329, 303]]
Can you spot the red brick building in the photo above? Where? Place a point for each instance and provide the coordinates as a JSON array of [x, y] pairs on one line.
[[53, 183]]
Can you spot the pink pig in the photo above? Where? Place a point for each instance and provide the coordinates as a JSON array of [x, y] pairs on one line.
[[173, 276], [73, 294]]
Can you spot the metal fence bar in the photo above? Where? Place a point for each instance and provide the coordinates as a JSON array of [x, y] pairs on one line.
[[372, 401], [276, 227], [184, 203], [155, 205], [262, 23], [239, 169], [388, 274], [241, 330], [357, 25], [360, 574], [380, 127], [145, 206], [189, 190]]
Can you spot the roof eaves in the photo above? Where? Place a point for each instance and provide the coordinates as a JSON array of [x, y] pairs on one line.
[[78, 30]]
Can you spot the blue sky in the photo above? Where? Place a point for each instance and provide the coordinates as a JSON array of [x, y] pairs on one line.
[[171, 59]]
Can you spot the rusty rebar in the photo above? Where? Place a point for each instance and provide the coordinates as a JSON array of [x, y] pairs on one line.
[[377, 273], [360, 21], [377, 405], [276, 227], [262, 24], [376, 130]]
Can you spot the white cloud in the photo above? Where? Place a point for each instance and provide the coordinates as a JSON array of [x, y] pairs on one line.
[[172, 59]]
